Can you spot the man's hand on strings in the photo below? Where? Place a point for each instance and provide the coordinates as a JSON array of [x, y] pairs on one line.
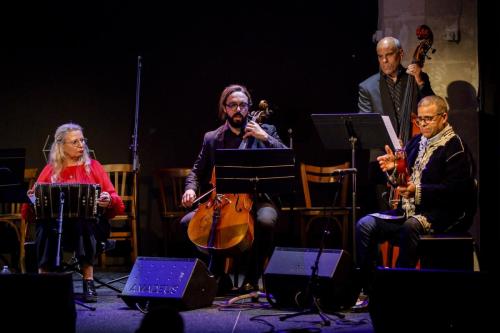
[[415, 70], [254, 129]]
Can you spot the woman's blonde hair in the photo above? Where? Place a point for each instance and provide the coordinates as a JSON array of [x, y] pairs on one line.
[[57, 157]]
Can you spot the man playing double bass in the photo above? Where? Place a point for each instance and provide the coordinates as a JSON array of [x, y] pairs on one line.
[[236, 132], [384, 93]]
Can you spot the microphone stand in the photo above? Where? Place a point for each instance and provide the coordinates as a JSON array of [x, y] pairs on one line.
[[135, 154], [310, 292], [133, 147]]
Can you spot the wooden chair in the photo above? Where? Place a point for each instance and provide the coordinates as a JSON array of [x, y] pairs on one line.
[[10, 214], [171, 185], [124, 227], [337, 212]]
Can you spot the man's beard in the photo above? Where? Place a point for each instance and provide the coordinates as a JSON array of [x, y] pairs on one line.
[[239, 123]]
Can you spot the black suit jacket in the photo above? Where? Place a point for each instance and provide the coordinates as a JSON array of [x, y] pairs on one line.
[[374, 95]]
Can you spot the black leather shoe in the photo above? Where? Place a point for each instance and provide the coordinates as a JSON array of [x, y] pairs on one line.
[[248, 287], [89, 292]]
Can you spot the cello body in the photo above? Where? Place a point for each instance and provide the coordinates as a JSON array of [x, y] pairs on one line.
[[224, 223]]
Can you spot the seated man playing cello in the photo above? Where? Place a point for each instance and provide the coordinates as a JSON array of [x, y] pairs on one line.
[[236, 132]]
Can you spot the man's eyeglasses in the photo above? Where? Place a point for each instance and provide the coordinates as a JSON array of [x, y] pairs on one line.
[[427, 119], [234, 106], [77, 142]]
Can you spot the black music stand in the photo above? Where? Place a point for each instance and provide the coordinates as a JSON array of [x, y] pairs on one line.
[[255, 171], [12, 185], [351, 130]]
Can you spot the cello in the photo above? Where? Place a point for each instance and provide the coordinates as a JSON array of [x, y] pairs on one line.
[[409, 127], [224, 223]]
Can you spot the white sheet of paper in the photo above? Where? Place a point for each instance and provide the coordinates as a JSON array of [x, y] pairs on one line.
[[392, 132]]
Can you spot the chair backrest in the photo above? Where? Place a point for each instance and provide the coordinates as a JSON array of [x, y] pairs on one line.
[[323, 175], [124, 180], [171, 181]]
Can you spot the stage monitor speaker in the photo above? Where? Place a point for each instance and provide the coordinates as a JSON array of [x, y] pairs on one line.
[[411, 300], [38, 302], [289, 270], [181, 283]]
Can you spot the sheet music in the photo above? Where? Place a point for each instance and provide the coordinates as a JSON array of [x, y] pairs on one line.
[[391, 132]]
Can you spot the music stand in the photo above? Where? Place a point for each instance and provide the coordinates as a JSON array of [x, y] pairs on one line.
[[254, 171], [267, 170], [351, 130], [12, 185]]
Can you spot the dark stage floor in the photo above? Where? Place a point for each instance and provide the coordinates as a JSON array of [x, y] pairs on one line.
[[113, 315], [402, 300]]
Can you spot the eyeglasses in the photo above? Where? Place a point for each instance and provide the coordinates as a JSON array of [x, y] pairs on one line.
[[427, 119], [77, 142], [234, 106]]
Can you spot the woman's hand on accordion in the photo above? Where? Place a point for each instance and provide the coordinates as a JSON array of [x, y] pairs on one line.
[[104, 200], [31, 195]]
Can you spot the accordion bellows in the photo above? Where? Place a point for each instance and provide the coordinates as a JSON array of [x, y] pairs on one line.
[[75, 200]]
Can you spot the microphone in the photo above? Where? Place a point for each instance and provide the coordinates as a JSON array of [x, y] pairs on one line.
[[343, 172]]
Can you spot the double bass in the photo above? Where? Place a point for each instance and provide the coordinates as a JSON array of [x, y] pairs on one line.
[[224, 223], [409, 127]]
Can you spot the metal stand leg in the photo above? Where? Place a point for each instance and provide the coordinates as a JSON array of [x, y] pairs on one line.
[[108, 283], [353, 141]]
